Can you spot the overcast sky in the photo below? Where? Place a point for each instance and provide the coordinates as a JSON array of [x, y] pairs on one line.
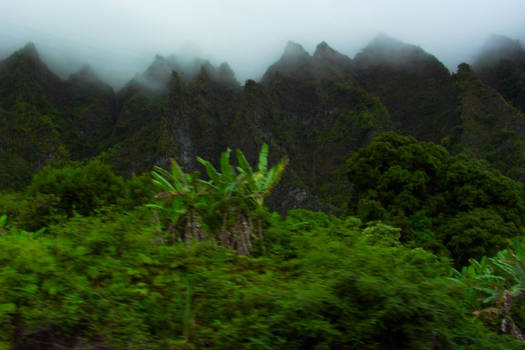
[[119, 38]]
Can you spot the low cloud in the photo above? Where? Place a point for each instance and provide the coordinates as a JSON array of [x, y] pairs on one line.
[[120, 38]]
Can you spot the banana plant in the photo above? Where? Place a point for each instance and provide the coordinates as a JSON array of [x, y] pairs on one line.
[[500, 282], [224, 203], [225, 185], [227, 188], [185, 194], [511, 264], [260, 183]]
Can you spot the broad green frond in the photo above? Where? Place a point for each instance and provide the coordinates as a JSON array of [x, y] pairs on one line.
[[210, 170], [161, 181], [226, 168], [263, 159]]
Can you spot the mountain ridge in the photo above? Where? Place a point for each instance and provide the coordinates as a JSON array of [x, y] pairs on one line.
[[316, 109]]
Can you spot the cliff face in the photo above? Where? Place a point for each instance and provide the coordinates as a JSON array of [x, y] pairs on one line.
[[316, 109]]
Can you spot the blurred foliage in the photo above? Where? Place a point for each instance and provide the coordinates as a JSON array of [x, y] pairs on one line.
[[98, 272], [325, 283], [83, 188], [495, 289], [450, 204]]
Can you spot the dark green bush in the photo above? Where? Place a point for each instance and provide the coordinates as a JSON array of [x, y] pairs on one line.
[[56, 194], [325, 283], [451, 204], [81, 187]]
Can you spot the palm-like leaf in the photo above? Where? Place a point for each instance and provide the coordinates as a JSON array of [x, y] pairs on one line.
[[226, 168], [263, 159], [210, 170]]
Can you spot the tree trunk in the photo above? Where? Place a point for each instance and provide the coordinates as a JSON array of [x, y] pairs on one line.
[[507, 324]]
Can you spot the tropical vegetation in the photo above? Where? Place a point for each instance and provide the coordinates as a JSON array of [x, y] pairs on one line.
[[185, 262]]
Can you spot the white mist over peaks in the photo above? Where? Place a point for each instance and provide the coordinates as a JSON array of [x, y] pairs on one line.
[[120, 38]]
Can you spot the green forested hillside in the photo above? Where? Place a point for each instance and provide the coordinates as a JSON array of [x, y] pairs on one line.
[[388, 213], [316, 109], [415, 86], [491, 128], [28, 118], [501, 64]]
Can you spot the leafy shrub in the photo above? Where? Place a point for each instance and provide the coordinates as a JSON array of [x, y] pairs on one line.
[[496, 289], [81, 187], [106, 282], [57, 194], [450, 204]]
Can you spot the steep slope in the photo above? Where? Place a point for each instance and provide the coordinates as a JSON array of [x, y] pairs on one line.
[[501, 64], [491, 128], [86, 114], [182, 119], [325, 64], [310, 109], [28, 117], [316, 109], [306, 107], [24, 77], [415, 87], [330, 64], [295, 62]]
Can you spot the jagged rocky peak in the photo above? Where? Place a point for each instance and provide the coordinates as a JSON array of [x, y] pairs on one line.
[[294, 52], [226, 74], [86, 74], [159, 70], [26, 64], [294, 62], [498, 47], [324, 53], [222, 75], [87, 78], [387, 50], [160, 73], [28, 53], [206, 66], [29, 50]]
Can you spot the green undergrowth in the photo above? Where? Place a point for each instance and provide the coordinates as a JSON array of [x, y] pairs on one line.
[[105, 281], [89, 262]]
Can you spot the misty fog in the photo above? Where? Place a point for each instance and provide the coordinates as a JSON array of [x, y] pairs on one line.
[[120, 38]]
